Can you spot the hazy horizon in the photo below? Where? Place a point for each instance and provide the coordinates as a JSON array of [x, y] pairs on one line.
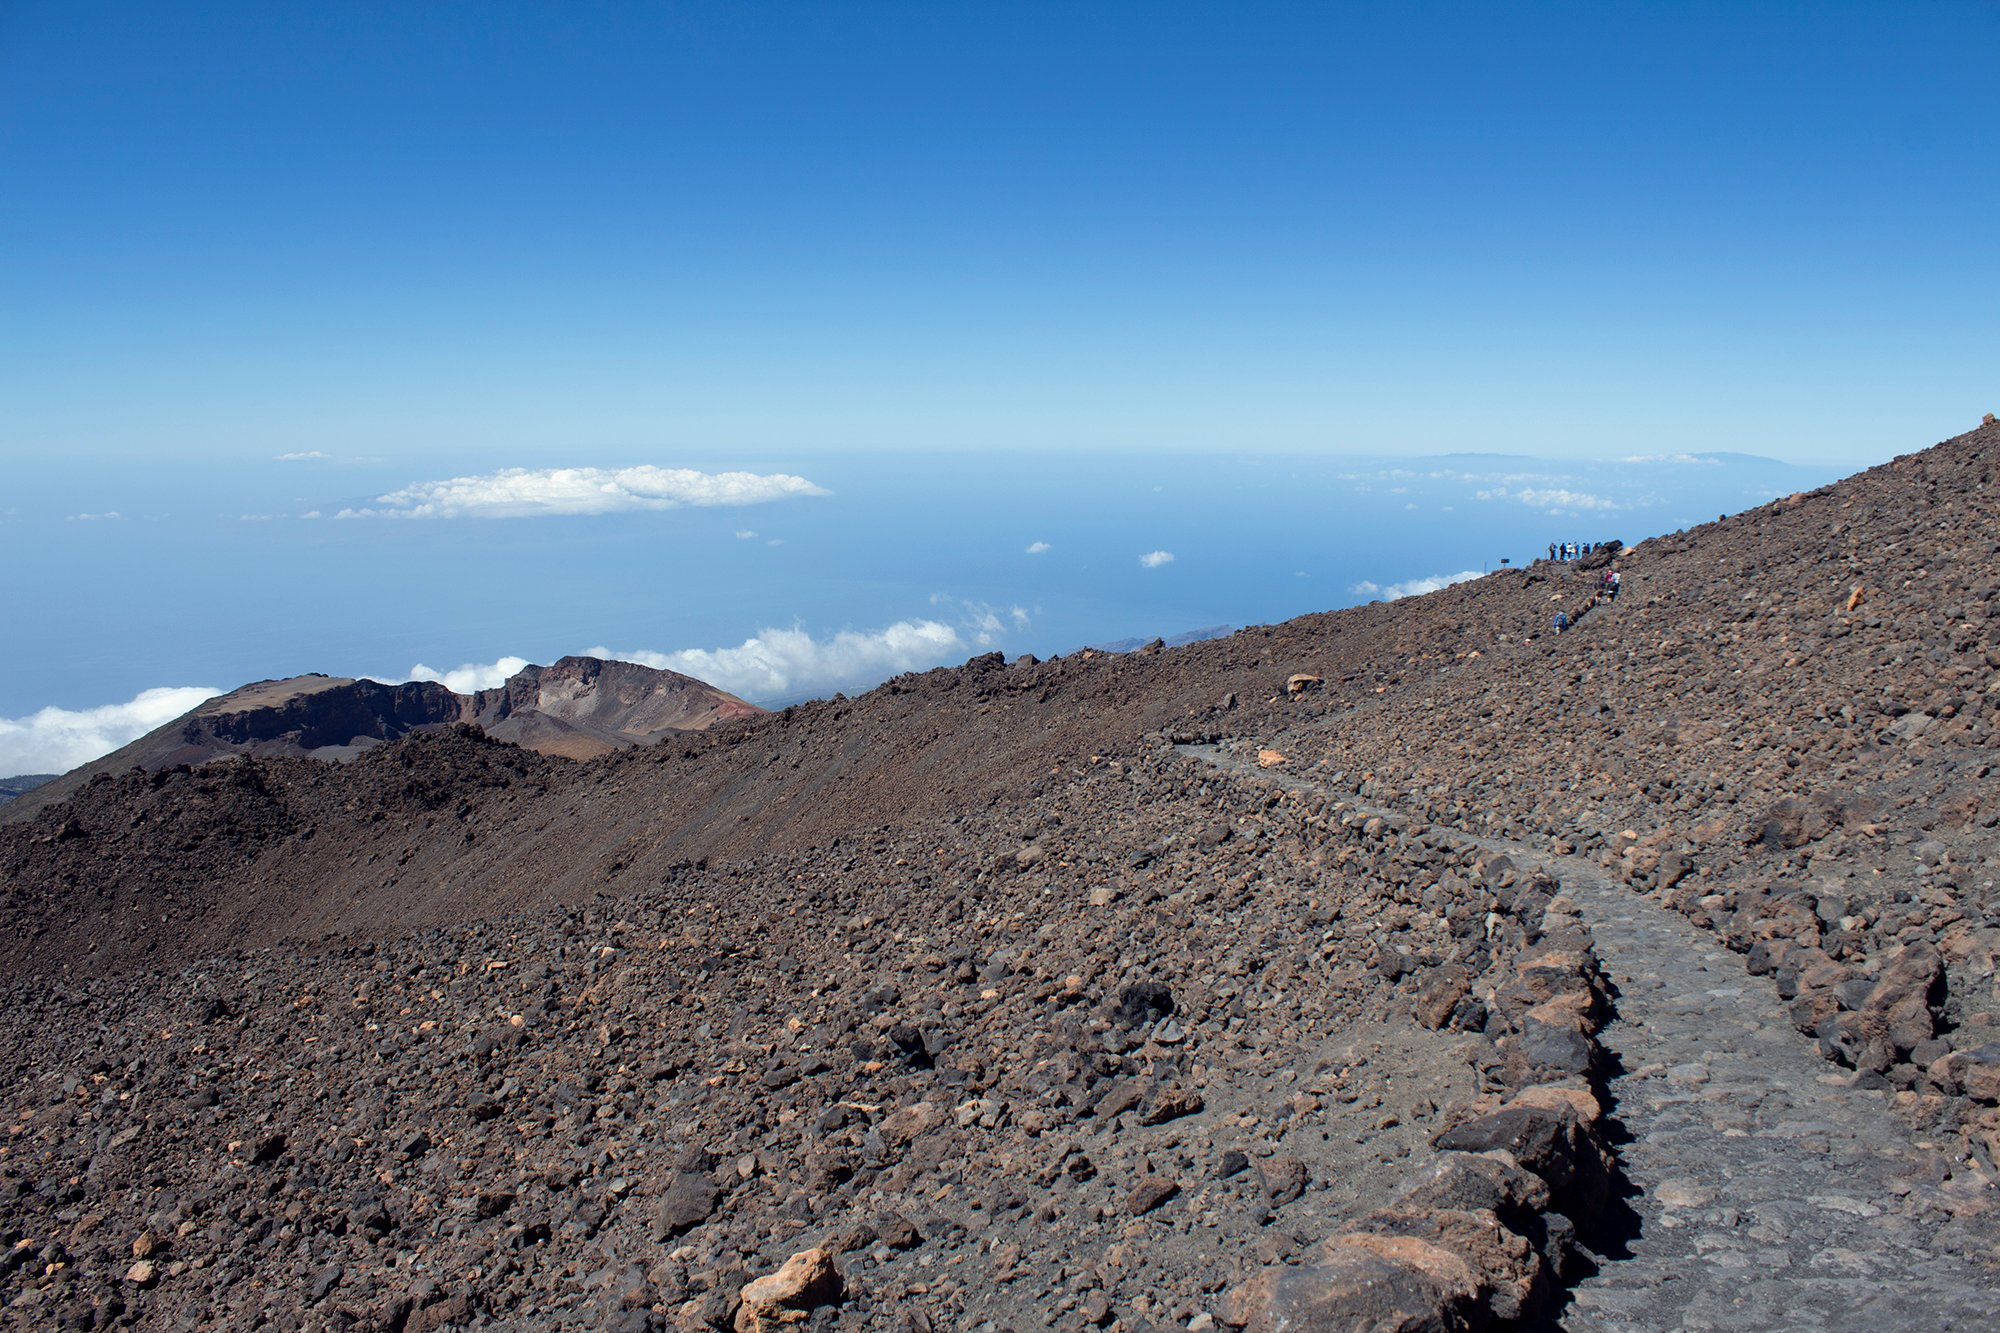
[[774, 585], [904, 291]]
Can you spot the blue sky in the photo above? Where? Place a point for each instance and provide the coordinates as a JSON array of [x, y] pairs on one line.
[[1039, 256], [234, 228]]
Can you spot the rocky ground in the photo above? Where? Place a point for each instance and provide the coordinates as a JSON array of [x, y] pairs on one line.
[[1766, 1192], [1149, 991], [1795, 752], [1097, 1078]]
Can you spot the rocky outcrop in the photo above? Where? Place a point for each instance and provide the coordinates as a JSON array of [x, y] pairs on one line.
[[583, 706]]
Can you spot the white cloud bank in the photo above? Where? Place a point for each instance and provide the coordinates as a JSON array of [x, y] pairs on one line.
[[1154, 559], [776, 663], [1413, 587], [524, 493], [789, 663], [1552, 499], [55, 740], [469, 678]]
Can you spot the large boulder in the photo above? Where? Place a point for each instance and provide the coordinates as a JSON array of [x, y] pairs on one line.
[[1973, 1073], [689, 1201], [1439, 994], [1551, 1141], [1473, 1182], [1904, 998], [1513, 1280], [1390, 1284], [807, 1281]]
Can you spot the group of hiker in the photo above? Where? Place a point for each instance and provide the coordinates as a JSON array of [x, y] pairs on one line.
[[1607, 591], [1570, 550]]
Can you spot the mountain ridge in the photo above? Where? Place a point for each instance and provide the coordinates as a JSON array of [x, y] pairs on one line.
[[577, 707]]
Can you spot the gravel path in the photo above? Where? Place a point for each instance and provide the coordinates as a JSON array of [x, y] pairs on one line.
[[1770, 1194]]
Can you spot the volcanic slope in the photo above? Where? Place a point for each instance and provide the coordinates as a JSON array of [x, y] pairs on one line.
[[979, 987], [1730, 677], [1784, 727]]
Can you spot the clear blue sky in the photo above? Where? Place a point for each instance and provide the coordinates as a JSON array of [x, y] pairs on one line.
[[1072, 317], [539, 234]]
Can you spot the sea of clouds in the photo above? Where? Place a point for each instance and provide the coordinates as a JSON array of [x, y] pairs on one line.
[[779, 663], [55, 740], [518, 492], [1412, 587]]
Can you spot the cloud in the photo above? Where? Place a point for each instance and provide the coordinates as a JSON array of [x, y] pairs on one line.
[[524, 493], [56, 740], [983, 622], [1565, 499], [1154, 559], [1036, 548], [790, 663], [321, 456], [1552, 499], [469, 678], [93, 518], [775, 663], [745, 534], [1706, 459], [1413, 587]]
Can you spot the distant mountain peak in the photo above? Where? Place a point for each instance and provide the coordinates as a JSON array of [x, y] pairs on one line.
[[576, 707], [1171, 641]]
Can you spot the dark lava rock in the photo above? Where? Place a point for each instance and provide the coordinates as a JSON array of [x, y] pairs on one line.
[[689, 1201]]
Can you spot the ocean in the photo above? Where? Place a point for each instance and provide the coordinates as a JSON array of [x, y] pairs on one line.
[[142, 576]]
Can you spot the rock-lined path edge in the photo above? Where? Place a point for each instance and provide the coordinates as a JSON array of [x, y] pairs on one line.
[[1770, 1193]]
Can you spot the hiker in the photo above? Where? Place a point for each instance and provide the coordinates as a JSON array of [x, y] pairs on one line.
[[1552, 551], [1611, 581], [1561, 622]]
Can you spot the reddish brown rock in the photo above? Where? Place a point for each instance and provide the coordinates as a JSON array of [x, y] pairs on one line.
[[1361, 1282], [808, 1279]]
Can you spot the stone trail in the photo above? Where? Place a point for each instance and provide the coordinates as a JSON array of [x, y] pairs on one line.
[[1770, 1193]]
